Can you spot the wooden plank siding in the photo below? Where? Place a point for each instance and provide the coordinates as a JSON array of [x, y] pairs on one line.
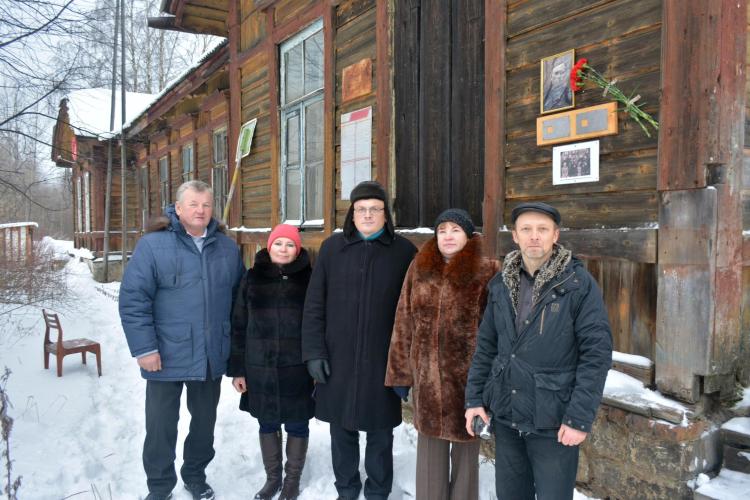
[[620, 46], [439, 85]]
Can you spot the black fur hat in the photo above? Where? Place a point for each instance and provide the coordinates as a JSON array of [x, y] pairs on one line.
[[457, 216]]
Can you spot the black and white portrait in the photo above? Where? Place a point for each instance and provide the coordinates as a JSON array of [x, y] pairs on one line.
[[555, 82], [575, 163]]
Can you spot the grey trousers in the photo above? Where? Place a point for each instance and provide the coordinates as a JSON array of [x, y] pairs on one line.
[[447, 470]]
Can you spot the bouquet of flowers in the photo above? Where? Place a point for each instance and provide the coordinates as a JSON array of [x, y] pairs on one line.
[[582, 73]]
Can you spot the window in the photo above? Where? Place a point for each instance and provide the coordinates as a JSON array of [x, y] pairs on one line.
[[79, 206], [219, 172], [164, 181], [87, 201], [188, 169], [145, 208], [302, 127]]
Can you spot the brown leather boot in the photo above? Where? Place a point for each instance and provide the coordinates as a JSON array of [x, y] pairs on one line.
[[270, 449], [296, 450]]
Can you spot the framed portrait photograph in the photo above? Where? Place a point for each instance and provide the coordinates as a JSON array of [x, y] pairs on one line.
[[575, 163], [556, 93]]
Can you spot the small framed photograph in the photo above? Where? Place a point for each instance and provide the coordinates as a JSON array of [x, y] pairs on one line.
[[575, 163], [556, 93]]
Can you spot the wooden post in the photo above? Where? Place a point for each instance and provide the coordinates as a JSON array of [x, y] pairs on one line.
[[383, 97], [329, 128], [273, 97], [234, 113], [702, 117], [494, 120]]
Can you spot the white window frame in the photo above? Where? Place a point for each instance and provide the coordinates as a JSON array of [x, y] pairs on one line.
[[287, 109], [189, 174], [87, 201], [219, 170], [164, 182], [145, 196], [79, 205]]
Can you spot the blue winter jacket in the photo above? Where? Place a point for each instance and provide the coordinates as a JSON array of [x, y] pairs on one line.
[[177, 300]]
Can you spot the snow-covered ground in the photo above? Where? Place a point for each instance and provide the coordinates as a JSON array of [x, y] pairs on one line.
[[81, 436]]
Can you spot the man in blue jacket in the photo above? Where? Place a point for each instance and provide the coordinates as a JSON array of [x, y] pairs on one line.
[[543, 352], [175, 303]]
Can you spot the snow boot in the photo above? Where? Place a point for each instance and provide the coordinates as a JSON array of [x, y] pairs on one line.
[[270, 449], [296, 450]]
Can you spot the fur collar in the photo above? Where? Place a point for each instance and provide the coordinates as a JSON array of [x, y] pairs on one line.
[[462, 269], [553, 267]]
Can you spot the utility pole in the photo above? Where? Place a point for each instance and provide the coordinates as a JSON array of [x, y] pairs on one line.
[[108, 195], [123, 159]]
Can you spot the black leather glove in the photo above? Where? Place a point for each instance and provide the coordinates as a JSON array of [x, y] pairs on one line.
[[402, 392], [319, 370]]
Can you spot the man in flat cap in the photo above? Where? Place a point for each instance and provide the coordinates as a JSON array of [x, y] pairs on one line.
[[543, 352], [347, 322]]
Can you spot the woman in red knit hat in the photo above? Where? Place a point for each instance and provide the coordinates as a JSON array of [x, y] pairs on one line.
[[266, 362]]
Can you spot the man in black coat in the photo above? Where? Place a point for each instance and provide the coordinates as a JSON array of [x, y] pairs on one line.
[[346, 332], [543, 352]]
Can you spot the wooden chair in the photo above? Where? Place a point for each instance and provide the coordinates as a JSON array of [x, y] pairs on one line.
[[62, 348]]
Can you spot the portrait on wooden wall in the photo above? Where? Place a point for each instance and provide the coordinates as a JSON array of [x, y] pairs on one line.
[[575, 163], [556, 93]]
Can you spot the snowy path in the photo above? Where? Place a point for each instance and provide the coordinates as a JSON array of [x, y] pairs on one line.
[[80, 436]]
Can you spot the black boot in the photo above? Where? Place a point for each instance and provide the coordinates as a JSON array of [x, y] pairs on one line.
[[270, 449], [296, 450]]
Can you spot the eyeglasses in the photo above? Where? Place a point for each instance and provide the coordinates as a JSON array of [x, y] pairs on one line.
[[368, 210]]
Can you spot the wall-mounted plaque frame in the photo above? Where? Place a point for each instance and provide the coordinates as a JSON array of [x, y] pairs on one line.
[[577, 124]]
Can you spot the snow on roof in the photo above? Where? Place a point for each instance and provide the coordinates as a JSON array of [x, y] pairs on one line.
[[18, 224], [88, 109], [212, 49]]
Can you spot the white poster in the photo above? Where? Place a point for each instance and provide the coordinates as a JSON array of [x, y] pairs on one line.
[[356, 149]]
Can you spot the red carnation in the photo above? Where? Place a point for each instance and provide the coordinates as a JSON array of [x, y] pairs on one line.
[[575, 77]]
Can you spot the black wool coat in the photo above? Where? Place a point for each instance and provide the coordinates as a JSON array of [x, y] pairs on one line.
[[266, 349], [349, 313], [553, 370]]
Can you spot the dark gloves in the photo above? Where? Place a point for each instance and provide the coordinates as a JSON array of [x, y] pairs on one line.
[[402, 392], [319, 370]]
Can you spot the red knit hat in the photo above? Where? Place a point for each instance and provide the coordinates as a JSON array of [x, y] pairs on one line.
[[285, 231]]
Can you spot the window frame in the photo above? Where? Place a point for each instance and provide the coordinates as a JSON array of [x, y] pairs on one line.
[[87, 201], [79, 205], [219, 168], [298, 105], [164, 187], [145, 195], [189, 174]]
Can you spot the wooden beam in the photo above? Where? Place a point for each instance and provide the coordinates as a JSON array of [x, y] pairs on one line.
[[636, 245], [282, 32], [494, 121], [234, 111], [273, 97], [701, 137], [329, 127], [383, 99]]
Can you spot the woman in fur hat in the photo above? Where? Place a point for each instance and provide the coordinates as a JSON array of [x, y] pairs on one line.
[[265, 359], [441, 304]]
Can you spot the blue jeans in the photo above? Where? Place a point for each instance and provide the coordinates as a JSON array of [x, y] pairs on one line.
[[295, 429], [528, 464]]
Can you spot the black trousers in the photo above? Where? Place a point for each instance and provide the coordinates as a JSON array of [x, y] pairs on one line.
[[378, 462], [528, 464], [162, 414]]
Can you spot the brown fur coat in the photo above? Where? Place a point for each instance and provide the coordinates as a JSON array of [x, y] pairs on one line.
[[434, 335]]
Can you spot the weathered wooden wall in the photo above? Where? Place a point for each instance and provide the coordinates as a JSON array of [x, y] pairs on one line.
[[602, 217], [354, 40], [620, 45], [744, 373], [438, 65]]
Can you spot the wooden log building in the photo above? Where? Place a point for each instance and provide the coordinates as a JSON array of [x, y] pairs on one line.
[[452, 89]]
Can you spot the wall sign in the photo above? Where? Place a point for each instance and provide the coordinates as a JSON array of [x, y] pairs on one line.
[[356, 80], [356, 149]]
